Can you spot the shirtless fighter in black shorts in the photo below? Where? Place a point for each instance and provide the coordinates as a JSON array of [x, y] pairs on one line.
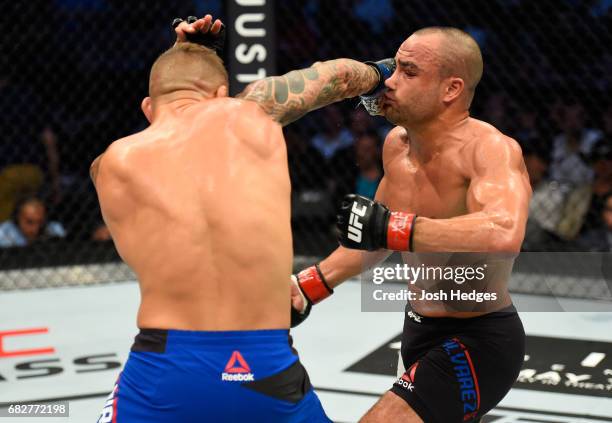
[[452, 184]]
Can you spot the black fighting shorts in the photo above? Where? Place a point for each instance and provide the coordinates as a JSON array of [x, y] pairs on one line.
[[459, 369]]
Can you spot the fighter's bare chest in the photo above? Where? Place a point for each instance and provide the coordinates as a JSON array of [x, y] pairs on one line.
[[437, 189]]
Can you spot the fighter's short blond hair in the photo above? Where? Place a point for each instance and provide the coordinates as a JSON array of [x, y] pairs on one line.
[[185, 66], [459, 55]]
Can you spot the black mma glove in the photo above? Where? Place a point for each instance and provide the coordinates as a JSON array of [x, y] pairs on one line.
[[364, 224], [372, 100], [212, 41]]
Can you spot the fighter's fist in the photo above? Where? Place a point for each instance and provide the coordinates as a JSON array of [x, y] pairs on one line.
[[300, 306], [364, 224], [307, 288], [201, 31], [372, 101]]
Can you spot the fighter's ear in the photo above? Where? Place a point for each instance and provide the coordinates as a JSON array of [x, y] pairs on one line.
[[146, 108], [454, 88], [221, 91]]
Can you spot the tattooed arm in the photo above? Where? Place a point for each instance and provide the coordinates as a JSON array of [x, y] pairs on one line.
[[287, 98]]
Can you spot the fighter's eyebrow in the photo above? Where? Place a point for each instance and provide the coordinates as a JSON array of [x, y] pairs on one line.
[[407, 64]]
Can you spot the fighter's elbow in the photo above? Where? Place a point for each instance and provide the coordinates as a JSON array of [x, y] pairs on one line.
[[506, 243], [504, 236]]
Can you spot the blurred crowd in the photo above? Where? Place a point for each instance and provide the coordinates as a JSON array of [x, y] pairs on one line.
[[74, 73]]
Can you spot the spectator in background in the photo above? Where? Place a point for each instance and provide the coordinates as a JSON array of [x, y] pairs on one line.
[[600, 238], [307, 167], [334, 135], [360, 122], [601, 160], [77, 150], [582, 205], [358, 169], [527, 125], [29, 225], [498, 112], [556, 113], [28, 147], [369, 165], [572, 146], [546, 206]]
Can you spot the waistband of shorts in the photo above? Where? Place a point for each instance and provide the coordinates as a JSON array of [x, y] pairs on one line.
[[156, 340], [417, 318]]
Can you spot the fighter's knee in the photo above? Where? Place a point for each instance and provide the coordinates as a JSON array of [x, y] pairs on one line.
[[390, 407]]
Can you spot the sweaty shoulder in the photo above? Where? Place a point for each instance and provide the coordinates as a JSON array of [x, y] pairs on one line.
[[235, 109], [396, 142], [490, 147], [242, 116]]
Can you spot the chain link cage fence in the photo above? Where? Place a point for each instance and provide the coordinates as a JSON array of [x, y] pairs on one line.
[[73, 73]]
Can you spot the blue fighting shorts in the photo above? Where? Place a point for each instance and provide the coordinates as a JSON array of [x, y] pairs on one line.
[[192, 376]]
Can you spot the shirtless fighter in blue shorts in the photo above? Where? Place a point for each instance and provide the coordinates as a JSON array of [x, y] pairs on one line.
[[198, 204]]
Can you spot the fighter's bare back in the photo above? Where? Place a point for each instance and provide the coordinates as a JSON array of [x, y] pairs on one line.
[[198, 204], [181, 198]]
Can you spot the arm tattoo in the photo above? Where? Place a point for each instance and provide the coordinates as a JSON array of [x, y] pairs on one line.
[[281, 92], [296, 82], [287, 98]]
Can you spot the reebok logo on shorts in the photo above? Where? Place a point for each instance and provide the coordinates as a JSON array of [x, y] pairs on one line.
[[237, 373], [407, 379]]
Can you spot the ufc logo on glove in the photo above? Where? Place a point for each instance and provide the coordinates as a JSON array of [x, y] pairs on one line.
[[355, 225], [365, 224]]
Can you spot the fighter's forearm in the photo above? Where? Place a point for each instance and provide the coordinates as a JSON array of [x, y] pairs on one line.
[[474, 232], [287, 98], [345, 263]]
